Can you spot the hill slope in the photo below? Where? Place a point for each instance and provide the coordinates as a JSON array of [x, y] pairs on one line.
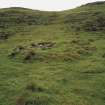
[[52, 58]]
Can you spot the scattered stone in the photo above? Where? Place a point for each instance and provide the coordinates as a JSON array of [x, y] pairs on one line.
[[43, 45]]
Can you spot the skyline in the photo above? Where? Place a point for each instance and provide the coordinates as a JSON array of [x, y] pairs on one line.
[[45, 5]]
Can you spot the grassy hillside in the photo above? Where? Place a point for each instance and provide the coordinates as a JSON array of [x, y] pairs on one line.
[[52, 58]]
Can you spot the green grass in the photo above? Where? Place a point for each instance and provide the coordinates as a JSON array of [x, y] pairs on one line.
[[71, 72]]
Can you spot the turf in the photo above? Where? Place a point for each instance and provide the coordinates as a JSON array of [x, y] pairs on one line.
[[52, 58]]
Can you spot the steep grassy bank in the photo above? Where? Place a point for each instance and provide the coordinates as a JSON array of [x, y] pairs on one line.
[[52, 58]]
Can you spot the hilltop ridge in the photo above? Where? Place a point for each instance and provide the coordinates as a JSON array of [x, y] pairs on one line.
[[75, 19]]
